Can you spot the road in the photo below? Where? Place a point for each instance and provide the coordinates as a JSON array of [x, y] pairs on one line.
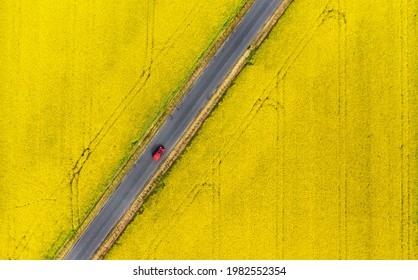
[[173, 129]]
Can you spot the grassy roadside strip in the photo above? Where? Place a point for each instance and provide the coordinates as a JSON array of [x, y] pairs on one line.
[[194, 127], [140, 146]]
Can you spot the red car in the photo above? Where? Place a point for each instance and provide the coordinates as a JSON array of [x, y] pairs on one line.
[[158, 153]]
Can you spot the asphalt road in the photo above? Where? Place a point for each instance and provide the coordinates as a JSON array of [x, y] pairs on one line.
[[173, 129]]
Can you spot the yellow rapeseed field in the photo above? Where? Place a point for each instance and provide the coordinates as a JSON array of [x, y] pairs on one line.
[[80, 84], [310, 155]]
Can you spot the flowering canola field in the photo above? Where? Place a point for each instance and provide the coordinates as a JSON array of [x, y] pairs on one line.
[[80, 83], [310, 155]]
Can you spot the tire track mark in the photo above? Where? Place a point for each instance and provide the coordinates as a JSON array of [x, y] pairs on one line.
[[149, 44], [151, 60], [178, 32], [405, 125], [280, 167], [307, 38], [402, 129], [216, 207], [35, 202], [301, 45], [74, 187], [278, 80], [342, 128], [75, 172], [184, 204], [23, 242]]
